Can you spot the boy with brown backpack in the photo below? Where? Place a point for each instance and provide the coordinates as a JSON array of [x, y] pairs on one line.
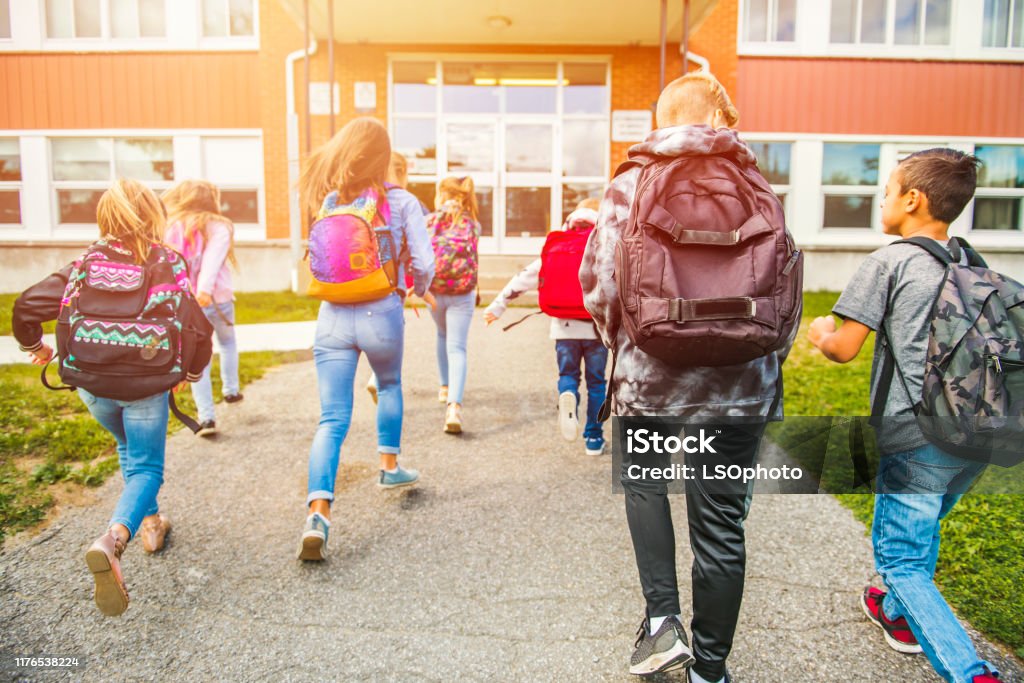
[[694, 283]]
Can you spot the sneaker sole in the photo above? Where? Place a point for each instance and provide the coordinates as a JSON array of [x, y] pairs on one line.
[[592, 451], [110, 597], [568, 422], [452, 427], [678, 657], [206, 432], [397, 486], [312, 548], [902, 648], [372, 390]]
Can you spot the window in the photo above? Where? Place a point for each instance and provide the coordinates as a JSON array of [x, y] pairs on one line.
[[235, 166], [773, 159], [223, 18], [574, 193], [5, 19], [1000, 195], [769, 21], [83, 168], [891, 22], [116, 19], [849, 178], [1004, 23], [10, 182]]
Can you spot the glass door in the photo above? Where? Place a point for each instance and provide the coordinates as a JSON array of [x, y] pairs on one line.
[[526, 183], [471, 149]]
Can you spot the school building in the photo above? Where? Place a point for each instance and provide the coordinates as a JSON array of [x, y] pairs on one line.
[[537, 101]]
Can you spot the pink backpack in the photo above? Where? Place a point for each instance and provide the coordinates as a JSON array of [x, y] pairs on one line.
[[455, 253]]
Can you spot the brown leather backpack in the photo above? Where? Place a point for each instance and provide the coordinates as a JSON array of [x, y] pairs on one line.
[[707, 273]]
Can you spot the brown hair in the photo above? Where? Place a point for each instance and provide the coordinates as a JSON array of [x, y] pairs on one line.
[[690, 99], [461, 191], [129, 213], [398, 171], [590, 203], [355, 159], [196, 203], [945, 176]]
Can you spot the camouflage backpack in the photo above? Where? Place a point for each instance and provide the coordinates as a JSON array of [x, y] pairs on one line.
[[972, 404]]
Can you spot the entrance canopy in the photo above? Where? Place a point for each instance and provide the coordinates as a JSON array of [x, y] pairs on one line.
[[501, 22]]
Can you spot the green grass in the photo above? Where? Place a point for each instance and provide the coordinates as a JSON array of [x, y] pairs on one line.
[[48, 437], [981, 562]]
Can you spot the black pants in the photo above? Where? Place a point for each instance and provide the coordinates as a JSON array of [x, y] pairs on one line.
[[715, 513]]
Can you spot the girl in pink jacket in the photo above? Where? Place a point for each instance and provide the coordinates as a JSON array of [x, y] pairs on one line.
[[205, 237]]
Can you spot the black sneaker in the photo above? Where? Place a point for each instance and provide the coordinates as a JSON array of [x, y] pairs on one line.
[[207, 428], [233, 398], [726, 679], [666, 650]]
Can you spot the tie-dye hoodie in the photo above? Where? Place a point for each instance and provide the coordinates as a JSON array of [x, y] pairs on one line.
[[644, 385]]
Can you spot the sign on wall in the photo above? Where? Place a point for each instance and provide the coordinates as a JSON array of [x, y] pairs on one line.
[[366, 96], [319, 105], [631, 125]]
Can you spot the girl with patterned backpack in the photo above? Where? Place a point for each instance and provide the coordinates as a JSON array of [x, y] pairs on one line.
[[356, 267], [128, 331], [454, 233]]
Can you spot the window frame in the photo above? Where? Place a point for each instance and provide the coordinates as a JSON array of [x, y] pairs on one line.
[[228, 40], [982, 192], [1009, 29], [244, 231], [890, 27], [771, 25], [15, 185], [876, 192], [778, 188], [57, 185], [106, 29]]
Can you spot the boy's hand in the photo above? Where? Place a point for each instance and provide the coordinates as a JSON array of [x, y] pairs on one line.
[[489, 317], [821, 327], [41, 356]]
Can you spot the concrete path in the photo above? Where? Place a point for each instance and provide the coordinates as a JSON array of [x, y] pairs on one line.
[[259, 337], [511, 561]]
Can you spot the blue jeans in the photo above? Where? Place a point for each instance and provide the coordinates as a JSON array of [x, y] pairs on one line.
[[453, 315], [140, 429], [571, 353], [916, 490], [342, 333], [222, 316]]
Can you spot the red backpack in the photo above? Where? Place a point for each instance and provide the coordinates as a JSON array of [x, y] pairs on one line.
[[558, 287], [707, 273]]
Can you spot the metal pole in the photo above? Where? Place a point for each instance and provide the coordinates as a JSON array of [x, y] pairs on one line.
[[305, 73], [686, 34], [664, 28], [330, 59]]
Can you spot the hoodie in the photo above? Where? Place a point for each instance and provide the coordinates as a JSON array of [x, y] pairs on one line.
[[529, 277], [642, 384]]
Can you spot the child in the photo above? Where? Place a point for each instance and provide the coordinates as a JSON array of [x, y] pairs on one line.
[[695, 116], [131, 221], [454, 233], [892, 293], [345, 177], [575, 342], [205, 237]]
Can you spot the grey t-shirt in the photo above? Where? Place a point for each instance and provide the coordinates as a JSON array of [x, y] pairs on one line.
[[896, 287]]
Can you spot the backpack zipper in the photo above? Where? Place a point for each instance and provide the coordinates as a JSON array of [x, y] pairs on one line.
[[792, 262], [998, 362]]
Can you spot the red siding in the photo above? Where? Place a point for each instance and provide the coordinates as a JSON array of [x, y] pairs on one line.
[[880, 97], [129, 91]]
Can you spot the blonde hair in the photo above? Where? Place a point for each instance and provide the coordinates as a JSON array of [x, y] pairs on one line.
[[461, 191], [398, 170], [195, 203], [692, 98], [590, 203], [356, 158], [130, 214]]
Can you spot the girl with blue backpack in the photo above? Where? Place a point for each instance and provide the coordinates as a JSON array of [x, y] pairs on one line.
[[361, 226], [128, 331]]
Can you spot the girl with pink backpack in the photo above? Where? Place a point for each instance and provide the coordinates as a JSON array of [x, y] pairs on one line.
[[454, 233], [355, 261]]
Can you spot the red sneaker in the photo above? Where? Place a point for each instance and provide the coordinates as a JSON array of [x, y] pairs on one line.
[[897, 633]]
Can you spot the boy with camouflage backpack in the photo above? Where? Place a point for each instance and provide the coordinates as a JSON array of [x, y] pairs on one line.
[[939, 315]]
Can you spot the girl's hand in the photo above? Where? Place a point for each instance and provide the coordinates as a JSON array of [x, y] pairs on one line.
[[41, 356], [204, 299], [431, 301], [489, 317], [179, 386]]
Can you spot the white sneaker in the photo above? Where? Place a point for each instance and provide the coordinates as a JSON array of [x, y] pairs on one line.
[[453, 419], [371, 387], [568, 422], [442, 395]]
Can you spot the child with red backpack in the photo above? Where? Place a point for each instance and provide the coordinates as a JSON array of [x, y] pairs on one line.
[[454, 233], [128, 331], [555, 275]]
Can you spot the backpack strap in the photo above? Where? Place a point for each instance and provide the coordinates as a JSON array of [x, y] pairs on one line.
[[46, 383], [627, 165], [933, 248], [511, 325], [974, 259], [185, 419]]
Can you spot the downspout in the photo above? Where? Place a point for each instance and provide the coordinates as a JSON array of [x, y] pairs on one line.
[[292, 135], [700, 61]]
